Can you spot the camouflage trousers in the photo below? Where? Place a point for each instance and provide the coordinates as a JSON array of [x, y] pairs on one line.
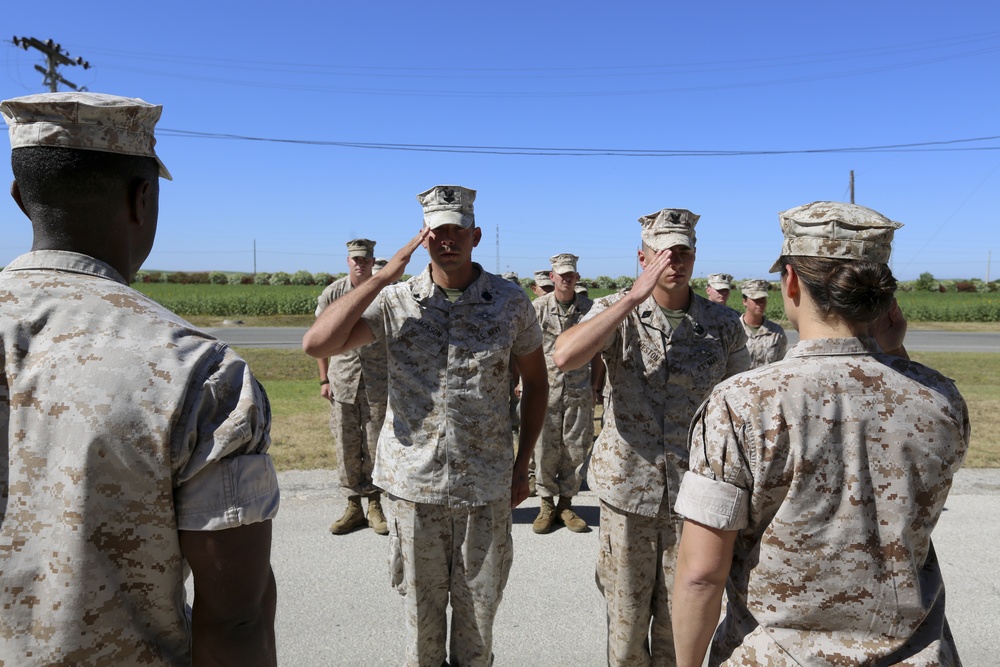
[[355, 428], [439, 552], [567, 436], [635, 573]]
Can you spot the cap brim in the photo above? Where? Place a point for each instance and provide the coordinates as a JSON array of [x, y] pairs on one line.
[[441, 218], [661, 242], [164, 174], [776, 267]]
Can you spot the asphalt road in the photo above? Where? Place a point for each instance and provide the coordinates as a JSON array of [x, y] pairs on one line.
[[335, 605], [916, 340]]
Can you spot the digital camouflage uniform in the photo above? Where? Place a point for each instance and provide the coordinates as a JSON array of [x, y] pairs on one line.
[[834, 466], [656, 378], [569, 421], [444, 455], [767, 345], [121, 425], [357, 409]]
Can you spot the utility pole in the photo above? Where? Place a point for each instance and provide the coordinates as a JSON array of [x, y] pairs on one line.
[[498, 249], [852, 186], [55, 56]]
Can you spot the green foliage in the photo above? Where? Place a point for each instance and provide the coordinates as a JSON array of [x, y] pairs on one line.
[[302, 278], [280, 278], [322, 278], [925, 282], [262, 278], [233, 300], [604, 282], [624, 282], [218, 278]]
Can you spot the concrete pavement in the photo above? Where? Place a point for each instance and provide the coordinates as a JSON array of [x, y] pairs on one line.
[[335, 605]]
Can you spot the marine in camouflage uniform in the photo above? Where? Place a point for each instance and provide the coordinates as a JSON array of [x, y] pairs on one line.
[[355, 385], [135, 446], [660, 366], [444, 454], [569, 423], [766, 340], [824, 475]]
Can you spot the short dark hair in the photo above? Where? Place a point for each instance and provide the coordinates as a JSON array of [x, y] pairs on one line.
[[52, 175]]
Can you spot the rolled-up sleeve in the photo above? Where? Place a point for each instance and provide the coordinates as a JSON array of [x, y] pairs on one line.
[[715, 490], [225, 477]]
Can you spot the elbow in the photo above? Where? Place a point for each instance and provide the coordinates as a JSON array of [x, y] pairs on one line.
[[315, 347]]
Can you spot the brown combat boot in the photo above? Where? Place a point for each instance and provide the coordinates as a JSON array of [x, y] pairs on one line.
[[376, 519], [546, 516], [354, 517], [567, 517]]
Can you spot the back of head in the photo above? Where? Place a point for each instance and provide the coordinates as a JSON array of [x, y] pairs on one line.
[[75, 151], [840, 253]]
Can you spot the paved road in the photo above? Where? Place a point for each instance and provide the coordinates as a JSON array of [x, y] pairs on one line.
[[336, 607], [916, 340]]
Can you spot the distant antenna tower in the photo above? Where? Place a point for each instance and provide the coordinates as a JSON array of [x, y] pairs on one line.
[[55, 56], [498, 248]]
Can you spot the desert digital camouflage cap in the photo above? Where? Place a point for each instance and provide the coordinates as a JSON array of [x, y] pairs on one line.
[[720, 281], [448, 205], [580, 288], [564, 263], [669, 227], [361, 248], [542, 279], [85, 121], [754, 289], [836, 230], [511, 276]]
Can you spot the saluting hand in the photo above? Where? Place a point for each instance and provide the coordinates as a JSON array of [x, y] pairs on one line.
[[650, 275], [394, 267], [890, 330]]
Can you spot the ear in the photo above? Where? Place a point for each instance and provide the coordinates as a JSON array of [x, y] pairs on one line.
[[477, 236], [642, 258], [790, 284], [140, 201], [15, 192]]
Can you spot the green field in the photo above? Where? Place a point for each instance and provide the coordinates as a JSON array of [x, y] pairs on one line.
[[271, 300], [301, 439]]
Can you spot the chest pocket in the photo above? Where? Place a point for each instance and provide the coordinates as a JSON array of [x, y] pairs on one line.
[[419, 339]]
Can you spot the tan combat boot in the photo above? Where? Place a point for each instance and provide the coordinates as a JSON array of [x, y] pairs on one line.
[[354, 517], [376, 519], [546, 515], [567, 517], [531, 485]]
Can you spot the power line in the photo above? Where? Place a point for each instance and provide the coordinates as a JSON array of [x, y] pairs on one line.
[[917, 147]]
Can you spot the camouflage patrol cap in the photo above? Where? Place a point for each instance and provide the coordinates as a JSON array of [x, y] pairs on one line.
[[542, 279], [379, 264], [580, 288], [361, 248], [448, 205], [511, 276], [836, 230], [755, 289], [84, 121], [720, 281], [669, 227], [564, 263]]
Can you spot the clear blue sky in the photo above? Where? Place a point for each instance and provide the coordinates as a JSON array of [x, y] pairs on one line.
[[693, 78]]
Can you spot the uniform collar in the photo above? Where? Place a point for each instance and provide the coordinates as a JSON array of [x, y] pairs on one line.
[[825, 347], [64, 260], [482, 290]]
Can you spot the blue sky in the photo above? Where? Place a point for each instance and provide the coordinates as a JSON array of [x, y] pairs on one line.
[[714, 84]]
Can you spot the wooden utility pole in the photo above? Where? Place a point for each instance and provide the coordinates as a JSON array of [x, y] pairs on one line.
[[852, 186], [54, 56]]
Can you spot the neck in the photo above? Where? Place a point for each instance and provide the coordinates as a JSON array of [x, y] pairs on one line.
[[565, 297], [753, 320], [678, 298], [459, 278]]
